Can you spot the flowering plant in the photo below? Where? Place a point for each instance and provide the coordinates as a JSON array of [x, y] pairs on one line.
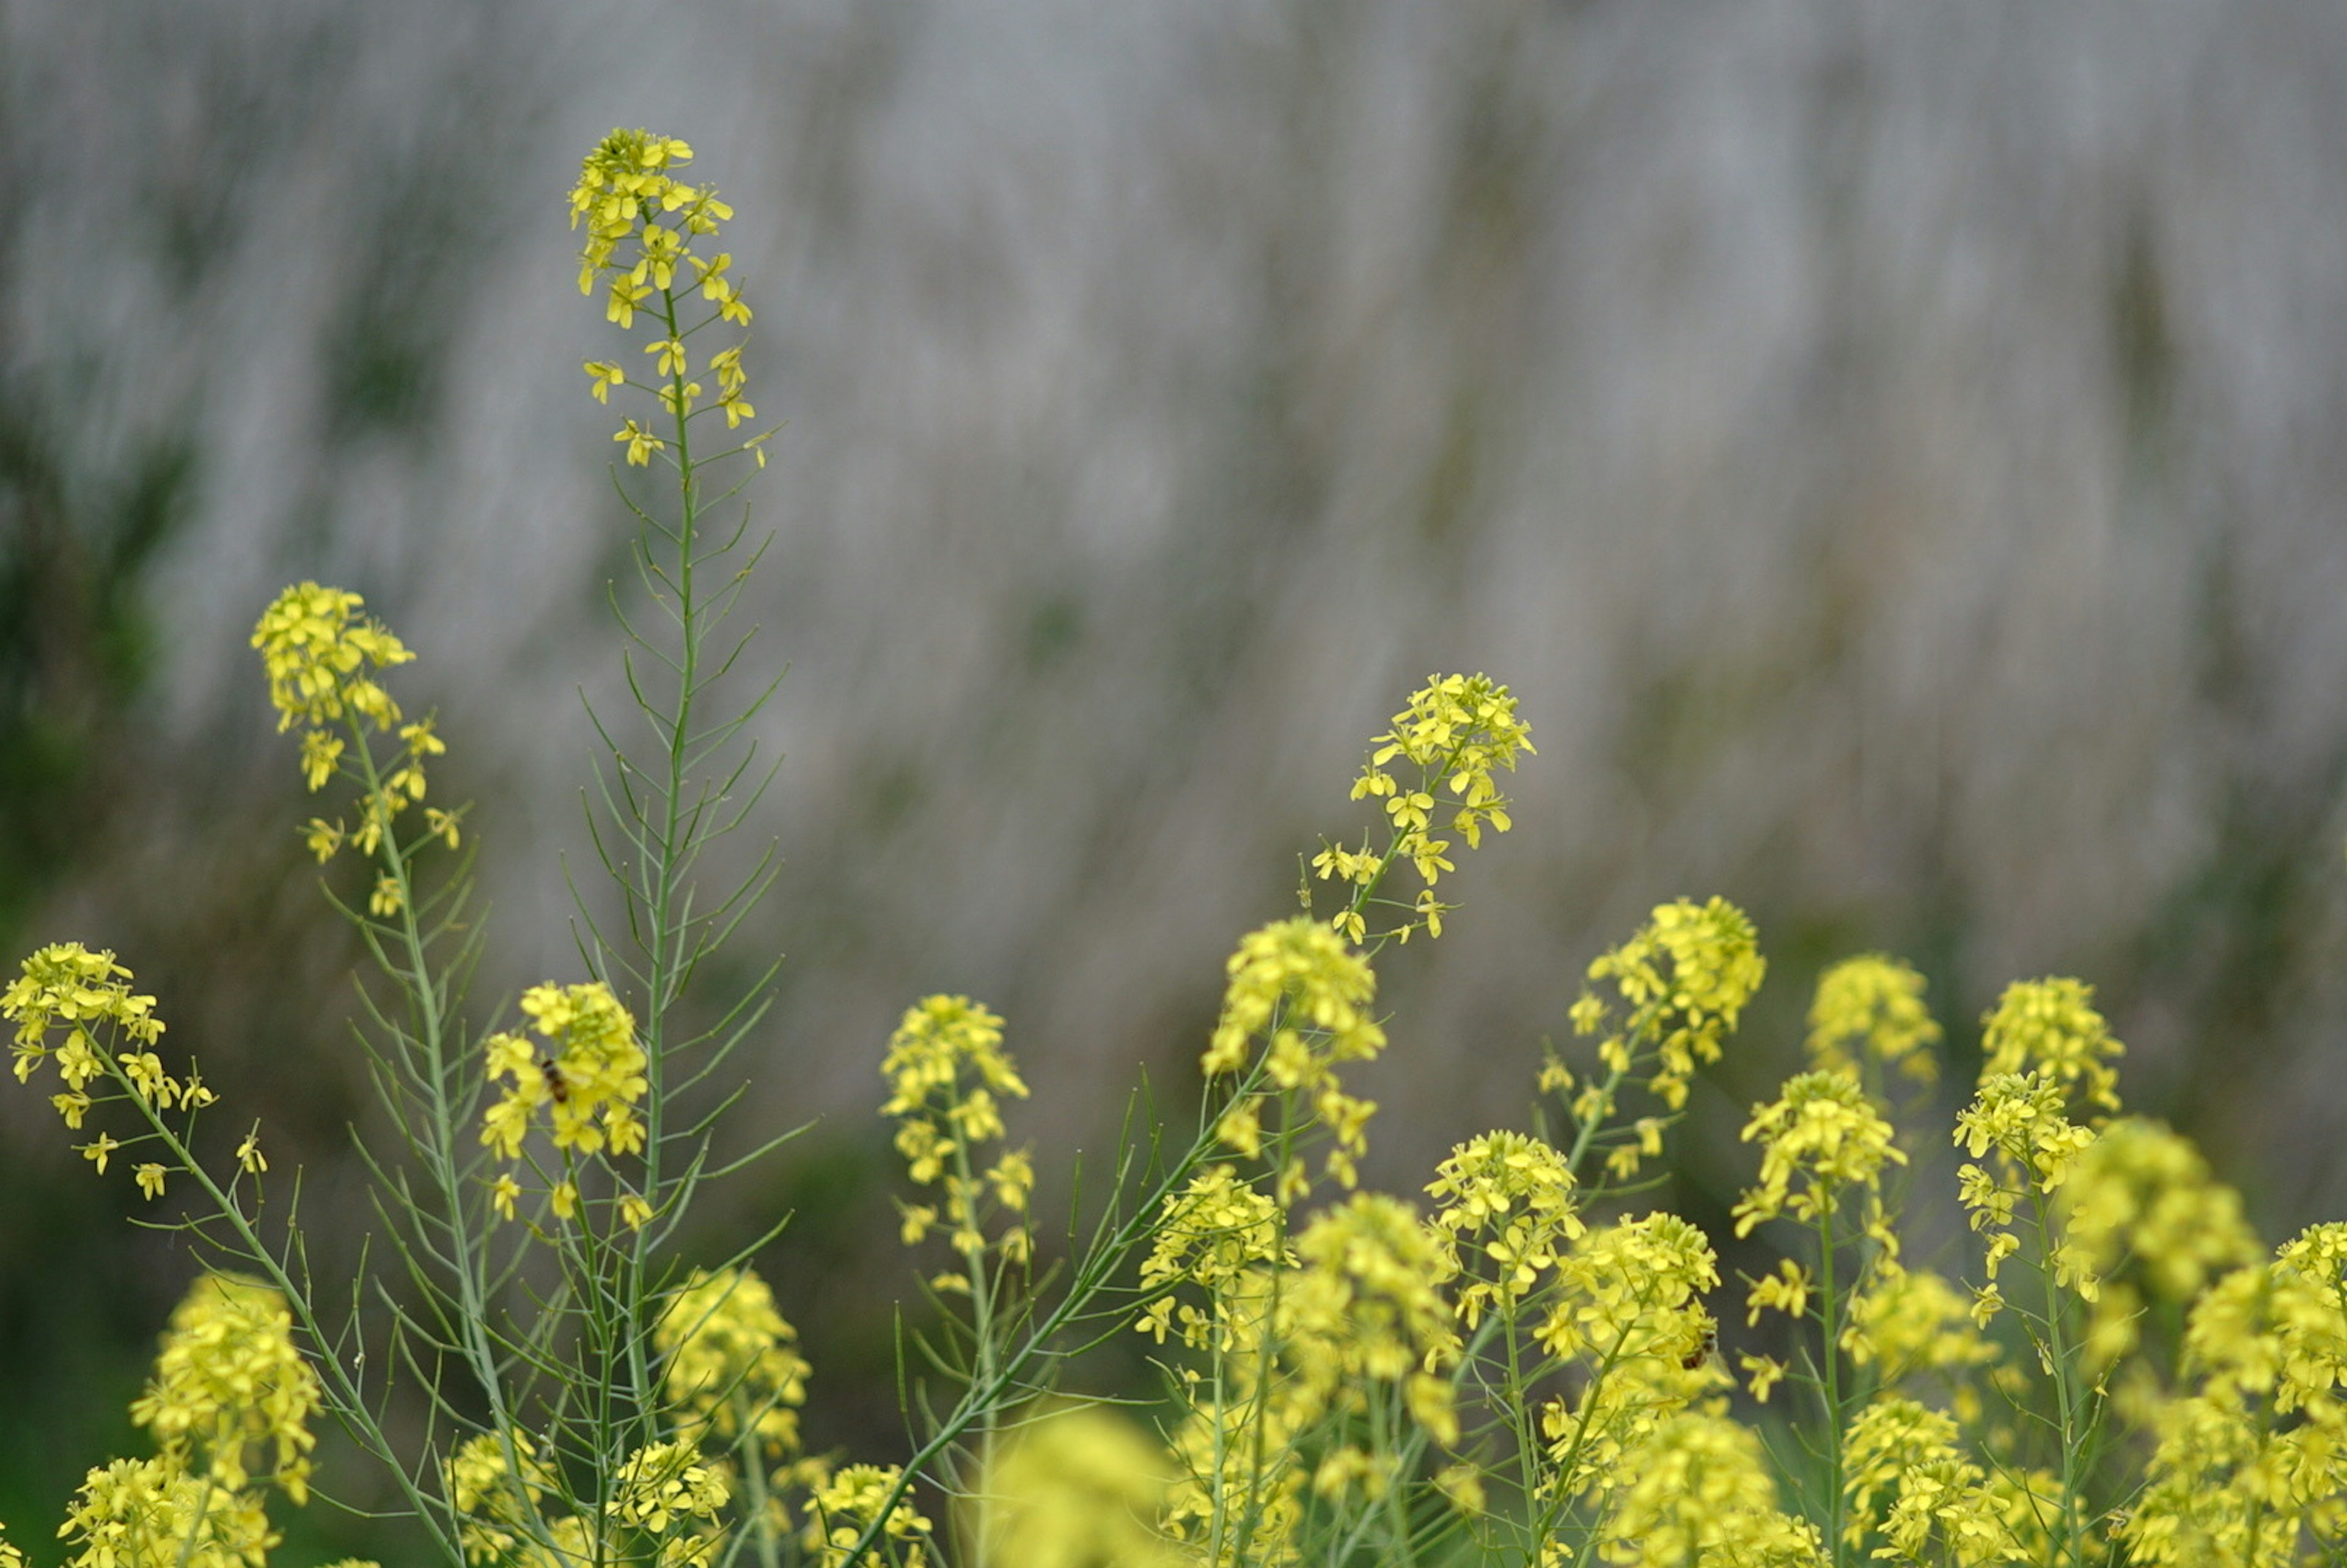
[[1528, 1369]]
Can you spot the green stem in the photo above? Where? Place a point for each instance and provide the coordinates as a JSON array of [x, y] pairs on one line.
[[1830, 1370]]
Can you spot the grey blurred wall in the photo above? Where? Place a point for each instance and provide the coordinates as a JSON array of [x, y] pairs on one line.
[[1893, 450]]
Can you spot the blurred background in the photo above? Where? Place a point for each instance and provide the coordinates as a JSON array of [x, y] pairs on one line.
[[1893, 451]]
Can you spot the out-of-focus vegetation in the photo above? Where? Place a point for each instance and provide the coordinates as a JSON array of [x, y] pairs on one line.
[[1890, 451]]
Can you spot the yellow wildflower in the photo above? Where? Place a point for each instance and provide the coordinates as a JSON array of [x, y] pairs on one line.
[[229, 1382], [732, 1362], [592, 1074], [850, 1501], [1824, 1133], [1685, 976], [2051, 1025], [1872, 1008]]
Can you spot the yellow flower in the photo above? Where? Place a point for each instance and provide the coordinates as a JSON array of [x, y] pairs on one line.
[[1822, 1132], [641, 443], [2051, 1025], [849, 1502], [1298, 984], [1764, 1373], [604, 376], [231, 1391], [1685, 976], [503, 1193], [150, 1178], [249, 1155], [635, 1211], [732, 1362], [97, 1153], [592, 1075], [1787, 1290], [564, 1199], [1872, 1006], [388, 897], [317, 651], [1698, 1491]]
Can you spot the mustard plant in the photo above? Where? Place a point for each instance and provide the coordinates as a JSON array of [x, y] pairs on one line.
[[1529, 1368]]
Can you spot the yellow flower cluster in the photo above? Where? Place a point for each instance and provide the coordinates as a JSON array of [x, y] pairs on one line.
[[2022, 1118], [1908, 1324], [1869, 1008], [592, 1071], [229, 1382], [150, 1514], [1297, 983], [945, 1068], [1700, 1495], [2144, 1214], [668, 1491], [1215, 1234], [496, 1482], [230, 1406], [1685, 976], [625, 192], [732, 1363], [846, 1505], [2256, 1457], [1631, 1307], [1824, 1133], [1518, 1191], [109, 1034], [321, 656], [1908, 1481], [2051, 1025], [1362, 1313], [1076, 1487], [1456, 731]]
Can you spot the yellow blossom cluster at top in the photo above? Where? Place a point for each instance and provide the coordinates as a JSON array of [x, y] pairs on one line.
[[732, 1363], [322, 656], [2051, 1025], [627, 195], [1684, 977], [946, 1067], [2022, 1118], [110, 1032], [1821, 1131], [1871, 1009], [1457, 731], [1519, 1190], [589, 1069], [1297, 982]]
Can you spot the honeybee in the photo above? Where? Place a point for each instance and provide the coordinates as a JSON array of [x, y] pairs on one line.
[[1706, 1343], [556, 1084]]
